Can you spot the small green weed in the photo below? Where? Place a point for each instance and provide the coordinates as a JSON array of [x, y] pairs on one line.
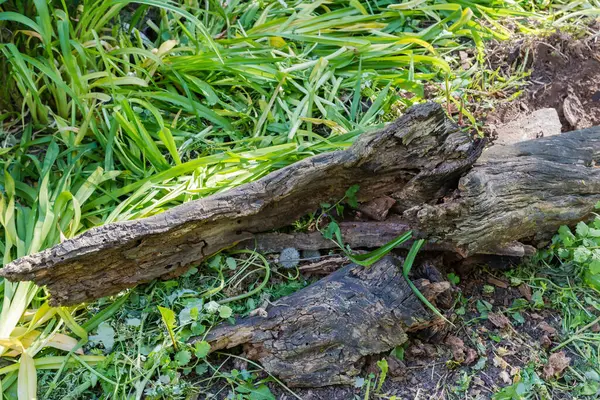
[[563, 277], [528, 386], [332, 232], [581, 249]]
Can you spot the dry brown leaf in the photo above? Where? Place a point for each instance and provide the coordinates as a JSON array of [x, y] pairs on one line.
[[550, 330], [471, 356], [498, 320], [556, 365], [457, 346], [497, 282], [525, 291]]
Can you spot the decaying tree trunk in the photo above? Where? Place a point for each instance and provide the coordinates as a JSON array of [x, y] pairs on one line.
[[437, 184], [511, 195], [522, 192], [417, 158], [320, 335]]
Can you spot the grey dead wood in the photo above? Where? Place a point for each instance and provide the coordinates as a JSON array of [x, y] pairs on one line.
[[367, 235], [518, 193], [443, 187], [422, 146], [499, 202], [321, 335]]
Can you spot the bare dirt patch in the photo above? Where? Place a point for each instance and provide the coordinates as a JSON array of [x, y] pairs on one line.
[[565, 75]]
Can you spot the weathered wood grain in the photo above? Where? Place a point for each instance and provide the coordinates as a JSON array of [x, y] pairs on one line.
[[423, 146], [513, 196], [518, 193], [368, 235], [321, 335]]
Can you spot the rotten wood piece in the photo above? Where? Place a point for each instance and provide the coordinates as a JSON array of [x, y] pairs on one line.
[[367, 235], [300, 339], [518, 193], [513, 196], [378, 208], [417, 158]]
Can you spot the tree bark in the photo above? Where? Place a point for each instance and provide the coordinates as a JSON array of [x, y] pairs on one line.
[[368, 235], [417, 158], [320, 335], [511, 197], [518, 193]]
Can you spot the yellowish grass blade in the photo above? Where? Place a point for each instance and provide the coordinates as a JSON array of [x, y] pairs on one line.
[[27, 381]]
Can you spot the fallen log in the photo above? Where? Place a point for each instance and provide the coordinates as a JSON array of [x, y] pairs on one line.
[[356, 234], [423, 146], [321, 335], [510, 197], [523, 192]]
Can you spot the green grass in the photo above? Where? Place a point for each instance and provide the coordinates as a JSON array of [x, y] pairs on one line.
[[562, 285], [110, 112], [567, 275]]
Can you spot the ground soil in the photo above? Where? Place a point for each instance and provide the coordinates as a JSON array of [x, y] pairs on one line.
[[565, 75]]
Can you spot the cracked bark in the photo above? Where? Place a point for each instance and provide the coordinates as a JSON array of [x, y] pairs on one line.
[[523, 192], [320, 335], [368, 235], [509, 196], [422, 145]]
